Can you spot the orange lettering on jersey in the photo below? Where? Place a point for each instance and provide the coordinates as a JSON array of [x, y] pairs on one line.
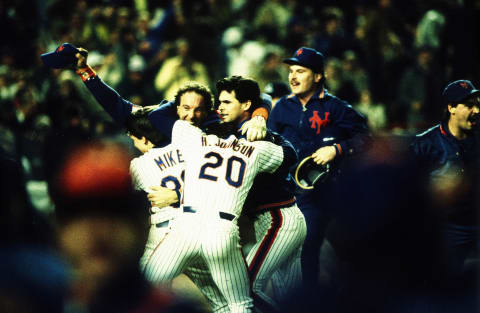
[[317, 122]]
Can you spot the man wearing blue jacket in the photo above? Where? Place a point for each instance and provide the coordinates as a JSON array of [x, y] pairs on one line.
[[450, 153], [324, 127]]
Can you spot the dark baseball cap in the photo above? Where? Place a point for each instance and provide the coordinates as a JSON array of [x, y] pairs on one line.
[[307, 57], [459, 90], [62, 57]]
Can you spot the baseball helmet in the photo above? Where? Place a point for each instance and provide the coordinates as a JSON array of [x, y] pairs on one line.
[[310, 174]]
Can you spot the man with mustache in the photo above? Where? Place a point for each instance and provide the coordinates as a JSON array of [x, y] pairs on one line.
[[324, 127], [450, 153]]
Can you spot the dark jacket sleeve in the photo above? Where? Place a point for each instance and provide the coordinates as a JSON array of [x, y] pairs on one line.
[[116, 106], [358, 138], [163, 118]]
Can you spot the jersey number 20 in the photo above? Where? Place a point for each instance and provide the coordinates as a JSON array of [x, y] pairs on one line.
[[217, 161]]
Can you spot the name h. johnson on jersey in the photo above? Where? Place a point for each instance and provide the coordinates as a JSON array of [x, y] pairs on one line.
[[246, 150], [168, 159]]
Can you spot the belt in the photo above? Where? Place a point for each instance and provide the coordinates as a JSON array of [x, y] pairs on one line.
[[224, 215], [162, 224]]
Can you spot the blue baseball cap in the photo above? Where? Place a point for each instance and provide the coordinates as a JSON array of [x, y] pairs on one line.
[[459, 90], [62, 57], [307, 57]]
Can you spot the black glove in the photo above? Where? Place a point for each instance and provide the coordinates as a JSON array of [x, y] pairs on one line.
[[310, 174]]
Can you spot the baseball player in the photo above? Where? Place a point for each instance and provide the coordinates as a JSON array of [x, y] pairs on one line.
[[157, 166], [195, 112], [324, 127], [219, 173], [279, 225], [450, 153], [165, 166]]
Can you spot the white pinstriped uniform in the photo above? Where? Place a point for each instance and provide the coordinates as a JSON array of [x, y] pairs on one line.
[[164, 166], [276, 254], [158, 167], [218, 176]]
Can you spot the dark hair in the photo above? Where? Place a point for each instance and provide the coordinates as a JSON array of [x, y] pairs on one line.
[[472, 99], [140, 126], [245, 89], [199, 89]]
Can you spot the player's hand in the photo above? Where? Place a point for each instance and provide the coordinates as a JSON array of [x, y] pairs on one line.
[[161, 196], [81, 58], [324, 155], [255, 128]]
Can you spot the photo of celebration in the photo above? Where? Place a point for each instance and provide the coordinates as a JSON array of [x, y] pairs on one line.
[[244, 156]]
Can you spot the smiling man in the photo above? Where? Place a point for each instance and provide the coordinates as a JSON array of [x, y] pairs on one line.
[[324, 127], [450, 153], [279, 225]]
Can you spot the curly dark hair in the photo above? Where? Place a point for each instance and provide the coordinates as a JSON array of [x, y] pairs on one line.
[[199, 89]]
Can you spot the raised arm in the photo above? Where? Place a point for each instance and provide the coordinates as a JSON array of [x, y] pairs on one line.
[[111, 101]]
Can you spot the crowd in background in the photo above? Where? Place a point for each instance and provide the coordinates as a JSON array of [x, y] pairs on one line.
[[390, 59]]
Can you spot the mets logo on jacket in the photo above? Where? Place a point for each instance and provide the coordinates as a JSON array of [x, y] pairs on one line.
[[316, 122]]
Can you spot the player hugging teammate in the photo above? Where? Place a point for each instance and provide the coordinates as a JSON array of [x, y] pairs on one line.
[[253, 178]]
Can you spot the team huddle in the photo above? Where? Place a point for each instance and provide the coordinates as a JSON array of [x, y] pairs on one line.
[[208, 162], [198, 169]]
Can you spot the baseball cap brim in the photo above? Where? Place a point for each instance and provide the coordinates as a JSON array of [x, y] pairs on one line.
[[292, 61], [295, 61], [472, 93], [54, 60]]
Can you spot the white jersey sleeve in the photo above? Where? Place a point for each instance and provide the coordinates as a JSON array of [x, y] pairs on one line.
[[158, 167], [270, 156]]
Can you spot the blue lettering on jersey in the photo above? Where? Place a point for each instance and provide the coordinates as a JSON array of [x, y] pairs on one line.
[[169, 159]]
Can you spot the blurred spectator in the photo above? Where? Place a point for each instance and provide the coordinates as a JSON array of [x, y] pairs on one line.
[[270, 69], [385, 36], [179, 69], [299, 28], [203, 23], [355, 78], [102, 229], [135, 86], [418, 94], [33, 276], [333, 72], [272, 17], [374, 112], [429, 32], [331, 38], [245, 51], [108, 67], [276, 90]]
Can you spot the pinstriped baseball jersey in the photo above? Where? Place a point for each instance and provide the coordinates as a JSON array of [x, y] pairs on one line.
[[158, 167], [164, 166], [218, 175], [220, 172]]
